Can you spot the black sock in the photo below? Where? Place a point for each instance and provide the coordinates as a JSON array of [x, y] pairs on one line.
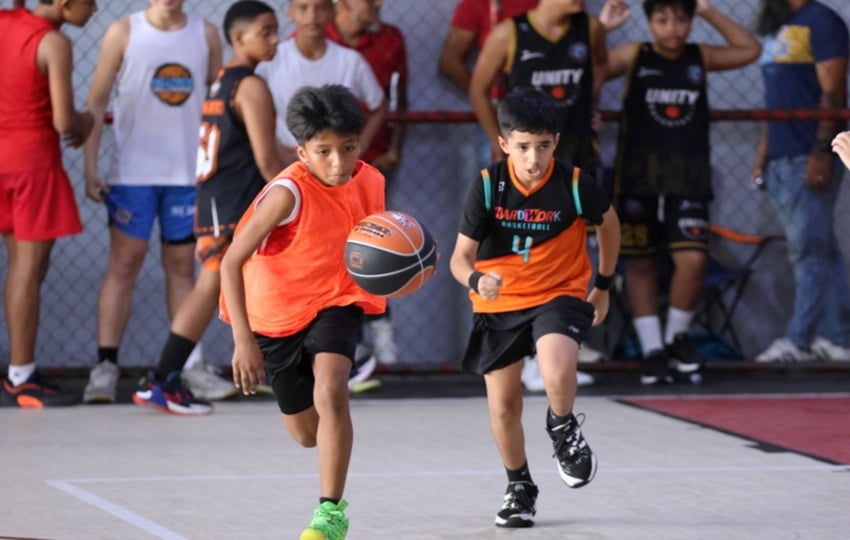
[[520, 475], [553, 420], [174, 355], [325, 499], [107, 354]]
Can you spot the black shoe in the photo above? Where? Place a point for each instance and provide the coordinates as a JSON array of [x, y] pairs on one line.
[[518, 510], [654, 368], [576, 462], [36, 393], [682, 355]]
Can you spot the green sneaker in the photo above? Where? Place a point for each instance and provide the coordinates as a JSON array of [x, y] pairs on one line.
[[329, 522]]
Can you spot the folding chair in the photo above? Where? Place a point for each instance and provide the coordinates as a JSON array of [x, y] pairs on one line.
[[725, 285]]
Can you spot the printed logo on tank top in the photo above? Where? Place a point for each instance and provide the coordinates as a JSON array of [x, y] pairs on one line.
[[172, 84], [564, 85], [675, 107]]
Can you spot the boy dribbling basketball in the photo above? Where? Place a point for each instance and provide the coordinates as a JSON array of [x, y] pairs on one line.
[[521, 250], [295, 311]]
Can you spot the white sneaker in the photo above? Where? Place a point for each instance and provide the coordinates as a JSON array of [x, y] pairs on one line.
[[589, 355], [383, 340], [827, 350], [206, 384], [103, 379], [533, 381], [785, 350]]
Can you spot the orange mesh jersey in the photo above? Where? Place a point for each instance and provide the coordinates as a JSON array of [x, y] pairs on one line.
[[299, 269], [535, 239]]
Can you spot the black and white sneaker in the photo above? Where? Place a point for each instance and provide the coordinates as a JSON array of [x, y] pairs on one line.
[[518, 510], [683, 356], [654, 368], [576, 462]]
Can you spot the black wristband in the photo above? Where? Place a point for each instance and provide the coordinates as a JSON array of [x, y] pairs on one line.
[[474, 278], [603, 283]]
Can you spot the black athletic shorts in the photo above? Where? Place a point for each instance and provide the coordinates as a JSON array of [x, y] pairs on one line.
[[684, 225], [500, 339], [289, 360]]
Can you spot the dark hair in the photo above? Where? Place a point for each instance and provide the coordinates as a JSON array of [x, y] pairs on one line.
[[243, 11], [772, 15], [688, 6], [330, 107], [527, 110]]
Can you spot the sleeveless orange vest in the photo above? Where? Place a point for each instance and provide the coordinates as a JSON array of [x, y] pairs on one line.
[[299, 269]]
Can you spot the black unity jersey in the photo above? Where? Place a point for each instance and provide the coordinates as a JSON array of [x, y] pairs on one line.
[[663, 146], [535, 239], [564, 70], [228, 177]]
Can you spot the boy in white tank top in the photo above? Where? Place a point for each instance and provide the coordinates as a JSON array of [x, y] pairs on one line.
[[159, 62]]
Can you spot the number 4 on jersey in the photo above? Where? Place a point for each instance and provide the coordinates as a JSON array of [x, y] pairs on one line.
[[207, 163]]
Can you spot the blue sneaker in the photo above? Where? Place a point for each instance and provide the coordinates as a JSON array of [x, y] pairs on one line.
[[169, 396]]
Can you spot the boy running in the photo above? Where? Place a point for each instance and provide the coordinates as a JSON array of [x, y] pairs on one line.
[[296, 312], [521, 251]]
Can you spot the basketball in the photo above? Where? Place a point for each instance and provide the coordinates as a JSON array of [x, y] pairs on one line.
[[390, 254]]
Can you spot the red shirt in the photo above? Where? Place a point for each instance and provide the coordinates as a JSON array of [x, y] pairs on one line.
[[27, 137], [480, 16], [383, 48]]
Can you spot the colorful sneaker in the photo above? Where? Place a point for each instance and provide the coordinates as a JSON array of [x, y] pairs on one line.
[[576, 462], [103, 379], [383, 340], [682, 355], [364, 365], [205, 383], [169, 396], [654, 368], [329, 522], [785, 350], [518, 510], [35, 393]]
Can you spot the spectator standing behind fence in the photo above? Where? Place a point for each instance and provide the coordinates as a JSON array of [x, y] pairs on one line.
[[558, 48], [238, 153], [160, 62], [310, 59], [528, 285], [37, 203], [295, 311], [357, 24], [805, 67], [663, 160]]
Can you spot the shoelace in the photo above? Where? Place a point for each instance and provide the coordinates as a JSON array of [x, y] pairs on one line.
[[569, 437], [517, 499]]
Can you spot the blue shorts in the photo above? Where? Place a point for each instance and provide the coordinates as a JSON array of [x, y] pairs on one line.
[[133, 209]]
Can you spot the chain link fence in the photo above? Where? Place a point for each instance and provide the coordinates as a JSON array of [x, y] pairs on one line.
[[437, 165]]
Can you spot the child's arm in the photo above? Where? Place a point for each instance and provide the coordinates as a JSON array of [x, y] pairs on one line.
[[620, 60], [374, 121], [841, 146], [54, 57], [255, 106], [742, 47], [105, 72], [462, 265], [608, 235], [215, 51], [491, 61], [247, 362]]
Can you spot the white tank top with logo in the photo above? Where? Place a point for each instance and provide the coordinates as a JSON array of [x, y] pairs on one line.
[[159, 92]]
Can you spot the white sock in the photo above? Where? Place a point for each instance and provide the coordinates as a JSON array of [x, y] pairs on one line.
[[195, 356], [19, 374], [648, 329], [678, 322]]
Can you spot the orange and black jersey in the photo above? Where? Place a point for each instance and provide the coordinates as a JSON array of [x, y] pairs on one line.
[[228, 177], [535, 239], [663, 146]]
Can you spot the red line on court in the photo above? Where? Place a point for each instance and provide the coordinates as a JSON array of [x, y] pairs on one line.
[[815, 426]]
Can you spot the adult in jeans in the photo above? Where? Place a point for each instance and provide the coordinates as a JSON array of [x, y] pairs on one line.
[[805, 67]]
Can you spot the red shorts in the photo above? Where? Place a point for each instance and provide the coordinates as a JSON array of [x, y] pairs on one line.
[[38, 205]]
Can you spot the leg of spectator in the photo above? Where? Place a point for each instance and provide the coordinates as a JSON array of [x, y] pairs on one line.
[[28, 263], [126, 256]]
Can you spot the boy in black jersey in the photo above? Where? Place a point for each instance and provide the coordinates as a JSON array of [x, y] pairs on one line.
[[237, 155], [663, 159], [521, 251]]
